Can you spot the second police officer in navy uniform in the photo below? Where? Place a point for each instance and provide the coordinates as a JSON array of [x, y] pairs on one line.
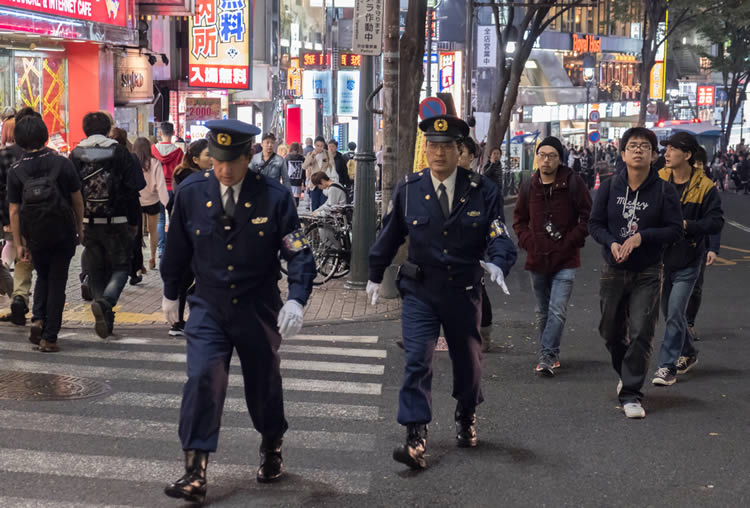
[[231, 224], [452, 218]]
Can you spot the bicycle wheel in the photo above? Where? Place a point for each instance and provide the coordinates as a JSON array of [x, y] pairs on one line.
[[344, 257], [326, 258]]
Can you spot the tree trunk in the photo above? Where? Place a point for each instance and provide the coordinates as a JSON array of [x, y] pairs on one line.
[[734, 108], [390, 100], [411, 77], [497, 127]]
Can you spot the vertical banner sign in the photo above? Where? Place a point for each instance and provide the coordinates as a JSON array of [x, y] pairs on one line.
[[705, 96], [348, 93], [487, 53], [658, 71], [111, 12], [221, 35], [368, 27]]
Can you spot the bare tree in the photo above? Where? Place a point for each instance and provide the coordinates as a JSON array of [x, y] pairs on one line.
[[521, 22], [729, 31], [411, 77]]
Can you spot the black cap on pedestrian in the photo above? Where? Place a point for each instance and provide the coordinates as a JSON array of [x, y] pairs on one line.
[[554, 143], [228, 139], [444, 128], [682, 141]]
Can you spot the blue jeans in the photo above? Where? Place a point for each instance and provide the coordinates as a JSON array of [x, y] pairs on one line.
[[552, 292], [161, 226], [317, 198], [675, 294]]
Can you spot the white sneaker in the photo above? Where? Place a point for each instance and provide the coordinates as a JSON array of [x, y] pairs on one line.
[[619, 386], [633, 410]]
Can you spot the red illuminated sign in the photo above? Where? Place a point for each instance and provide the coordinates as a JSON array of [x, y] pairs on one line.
[[350, 60], [587, 44], [310, 60], [705, 96], [111, 12]]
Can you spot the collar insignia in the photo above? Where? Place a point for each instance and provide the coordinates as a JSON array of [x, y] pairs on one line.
[[260, 220]]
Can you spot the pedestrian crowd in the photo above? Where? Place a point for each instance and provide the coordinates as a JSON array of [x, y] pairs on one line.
[[220, 213]]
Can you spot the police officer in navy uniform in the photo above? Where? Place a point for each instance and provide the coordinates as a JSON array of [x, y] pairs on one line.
[[231, 225], [452, 218]]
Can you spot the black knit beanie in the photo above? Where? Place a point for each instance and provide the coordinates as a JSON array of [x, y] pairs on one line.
[[554, 143]]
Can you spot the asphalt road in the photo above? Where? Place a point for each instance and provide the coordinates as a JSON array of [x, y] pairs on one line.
[[543, 442]]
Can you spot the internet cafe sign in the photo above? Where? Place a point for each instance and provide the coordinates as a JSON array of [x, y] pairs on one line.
[[133, 79], [111, 12], [587, 44]]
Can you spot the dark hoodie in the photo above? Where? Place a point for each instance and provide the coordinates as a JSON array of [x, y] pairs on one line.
[[653, 210]]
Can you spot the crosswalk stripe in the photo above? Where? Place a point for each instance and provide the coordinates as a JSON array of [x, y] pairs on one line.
[[306, 365], [102, 467], [24, 502], [238, 405], [180, 342], [353, 339], [333, 351], [162, 431], [289, 384]]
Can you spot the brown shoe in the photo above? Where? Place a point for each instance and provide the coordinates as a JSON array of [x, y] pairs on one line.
[[48, 347], [35, 336]]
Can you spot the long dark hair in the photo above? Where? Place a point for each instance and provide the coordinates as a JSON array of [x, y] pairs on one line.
[[193, 151], [142, 150]]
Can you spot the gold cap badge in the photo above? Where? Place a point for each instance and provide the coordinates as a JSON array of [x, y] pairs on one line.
[[441, 125], [224, 139]]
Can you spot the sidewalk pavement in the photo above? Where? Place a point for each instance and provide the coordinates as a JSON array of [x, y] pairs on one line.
[[141, 304]]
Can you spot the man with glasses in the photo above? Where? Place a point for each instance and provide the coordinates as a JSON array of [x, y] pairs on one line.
[[451, 217], [551, 222], [635, 216]]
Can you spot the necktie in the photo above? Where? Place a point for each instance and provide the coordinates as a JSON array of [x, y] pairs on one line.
[[443, 198], [230, 204]]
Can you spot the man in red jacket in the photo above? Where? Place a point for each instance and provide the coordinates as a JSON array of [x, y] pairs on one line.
[[551, 221], [170, 156]]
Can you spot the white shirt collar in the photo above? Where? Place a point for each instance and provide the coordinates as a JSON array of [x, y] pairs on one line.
[[236, 187], [450, 183]]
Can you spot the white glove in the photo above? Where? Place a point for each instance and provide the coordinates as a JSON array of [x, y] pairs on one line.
[[372, 290], [496, 275], [290, 319], [171, 310]]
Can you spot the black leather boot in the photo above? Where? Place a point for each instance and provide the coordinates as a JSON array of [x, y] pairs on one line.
[[412, 453], [271, 463], [192, 486], [466, 434]]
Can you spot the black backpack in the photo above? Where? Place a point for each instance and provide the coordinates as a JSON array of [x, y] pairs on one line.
[[100, 180], [46, 217], [349, 195]]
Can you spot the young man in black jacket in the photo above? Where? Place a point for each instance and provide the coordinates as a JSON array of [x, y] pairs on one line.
[[635, 215], [110, 186], [702, 216]]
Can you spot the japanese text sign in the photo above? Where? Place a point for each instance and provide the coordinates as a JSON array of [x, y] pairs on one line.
[[311, 60], [221, 34], [111, 12], [486, 46], [705, 96], [368, 27], [201, 109], [317, 85], [350, 60], [348, 93]]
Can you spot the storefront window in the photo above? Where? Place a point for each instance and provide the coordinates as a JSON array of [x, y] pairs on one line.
[[41, 82], [6, 81]]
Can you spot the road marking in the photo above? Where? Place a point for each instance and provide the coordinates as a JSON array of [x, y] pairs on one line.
[[119, 354], [290, 384], [356, 339], [25, 502], [742, 227], [102, 467], [333, 351], [238, 405], [161, 431]]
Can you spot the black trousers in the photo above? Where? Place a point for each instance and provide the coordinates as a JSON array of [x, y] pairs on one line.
[[486, 308], [137, 260], [187, 280], [51, 279], [630, 308]]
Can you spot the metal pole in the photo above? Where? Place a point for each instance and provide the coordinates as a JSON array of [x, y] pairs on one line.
[[430, 15], [507, 161], [469, 51], [391, 59], [363, 232], [586, 128]]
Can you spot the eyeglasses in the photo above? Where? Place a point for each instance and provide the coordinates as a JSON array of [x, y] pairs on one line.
[[547, 156], [641, 147], [441, 147]]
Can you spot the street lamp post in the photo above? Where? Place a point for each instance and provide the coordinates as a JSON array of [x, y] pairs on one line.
[[588, 79]]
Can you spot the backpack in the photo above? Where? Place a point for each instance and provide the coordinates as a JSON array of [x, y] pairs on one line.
[[100, 181], [46, 217], [348, 194]]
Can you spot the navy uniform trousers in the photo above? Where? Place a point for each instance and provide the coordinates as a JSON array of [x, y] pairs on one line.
[[424, 310], [213, 331]]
